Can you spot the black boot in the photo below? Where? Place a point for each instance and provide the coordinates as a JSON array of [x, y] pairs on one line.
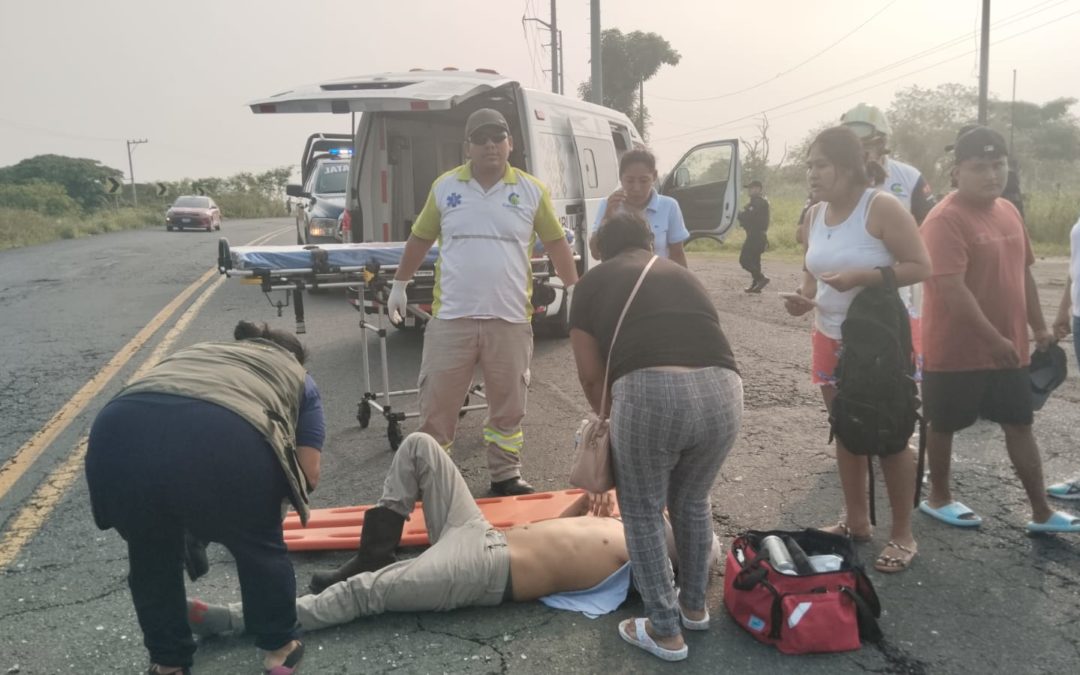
[[379, 538]]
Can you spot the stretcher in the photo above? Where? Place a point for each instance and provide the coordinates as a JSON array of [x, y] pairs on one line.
[[339, 528], [365, 271]]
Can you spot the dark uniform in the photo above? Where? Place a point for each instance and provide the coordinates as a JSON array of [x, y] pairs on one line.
[[754, 218]]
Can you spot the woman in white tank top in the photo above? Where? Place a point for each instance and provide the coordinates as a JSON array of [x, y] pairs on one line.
[[853, 230]]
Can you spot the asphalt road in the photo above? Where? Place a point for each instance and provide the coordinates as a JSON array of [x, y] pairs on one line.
[[989, 601]]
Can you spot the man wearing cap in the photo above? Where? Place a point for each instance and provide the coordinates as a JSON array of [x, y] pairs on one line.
[[754, 218], [977, 308], [486, 216]]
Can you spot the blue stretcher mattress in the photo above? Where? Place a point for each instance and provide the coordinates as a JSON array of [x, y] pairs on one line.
[[340, 255]]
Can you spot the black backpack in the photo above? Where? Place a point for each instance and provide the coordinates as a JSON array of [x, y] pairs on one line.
[[877, 400]]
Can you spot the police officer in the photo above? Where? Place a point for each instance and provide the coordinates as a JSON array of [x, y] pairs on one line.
[[486, 215], [754, 218]]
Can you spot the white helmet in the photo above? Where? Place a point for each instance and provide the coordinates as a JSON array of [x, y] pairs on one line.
[[866, 121]]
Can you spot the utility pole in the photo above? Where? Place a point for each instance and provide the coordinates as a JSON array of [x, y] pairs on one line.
[[984, 63], [562, 70], [555, 45], [596, 84], [131, 168]]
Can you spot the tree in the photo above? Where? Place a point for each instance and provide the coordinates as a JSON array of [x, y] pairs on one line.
[[627, 60], [82, 178], [755, 159]]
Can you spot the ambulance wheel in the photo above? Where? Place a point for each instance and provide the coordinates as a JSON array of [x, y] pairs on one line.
[[393, 433], [363, 414], [464, 405]]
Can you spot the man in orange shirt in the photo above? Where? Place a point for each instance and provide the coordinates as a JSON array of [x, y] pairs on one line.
[[977, 308]]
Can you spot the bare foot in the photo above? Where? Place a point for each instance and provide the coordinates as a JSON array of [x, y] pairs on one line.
[[158, 669], [859, 534]]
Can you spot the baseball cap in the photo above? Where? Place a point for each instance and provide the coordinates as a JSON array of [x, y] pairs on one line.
[[1048, 369], [753, 184], [485, 117], [866, 121], [978, 141]]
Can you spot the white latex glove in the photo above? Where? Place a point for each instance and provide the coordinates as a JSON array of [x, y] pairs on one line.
[[395, 304]]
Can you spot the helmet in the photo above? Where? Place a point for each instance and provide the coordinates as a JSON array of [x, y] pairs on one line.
[[1048, 369], [866, 121]]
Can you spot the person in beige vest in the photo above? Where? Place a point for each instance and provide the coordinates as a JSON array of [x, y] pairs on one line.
[[209, 445]]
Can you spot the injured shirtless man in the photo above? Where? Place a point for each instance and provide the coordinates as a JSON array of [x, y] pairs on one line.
[[469, 562]]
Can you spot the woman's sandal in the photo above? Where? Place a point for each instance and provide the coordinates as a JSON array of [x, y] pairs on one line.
[[843, 530], [292, 662], [888, 564]]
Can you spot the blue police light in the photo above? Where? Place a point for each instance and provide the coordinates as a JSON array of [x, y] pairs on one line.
[[341, 153]]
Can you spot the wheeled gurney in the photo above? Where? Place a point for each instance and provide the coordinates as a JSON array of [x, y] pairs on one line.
[[365, 270]]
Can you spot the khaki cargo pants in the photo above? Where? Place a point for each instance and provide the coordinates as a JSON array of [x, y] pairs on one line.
[[467, 565], [453, 348]]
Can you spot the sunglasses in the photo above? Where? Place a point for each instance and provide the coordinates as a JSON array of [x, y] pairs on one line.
[[482, 137]]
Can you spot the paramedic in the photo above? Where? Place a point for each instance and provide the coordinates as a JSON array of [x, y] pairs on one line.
[[469, 562], [210, 441], [637, 178], [486, 215]]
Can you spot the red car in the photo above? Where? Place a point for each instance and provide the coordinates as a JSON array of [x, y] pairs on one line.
[[191, 212]]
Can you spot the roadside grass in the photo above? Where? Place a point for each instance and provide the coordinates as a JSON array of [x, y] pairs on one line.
[[1050, 216]]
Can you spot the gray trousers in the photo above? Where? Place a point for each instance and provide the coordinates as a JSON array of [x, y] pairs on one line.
[[467, 565], [670, 432]]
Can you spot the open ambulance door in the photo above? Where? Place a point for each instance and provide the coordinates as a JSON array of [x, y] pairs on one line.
[[598, 171], [706, 184]]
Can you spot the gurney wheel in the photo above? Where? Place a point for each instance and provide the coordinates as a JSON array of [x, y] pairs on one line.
[[393, 433], [363, 414]]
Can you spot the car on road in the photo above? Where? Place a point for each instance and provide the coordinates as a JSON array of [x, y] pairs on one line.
[[193, 212], [321, 202]]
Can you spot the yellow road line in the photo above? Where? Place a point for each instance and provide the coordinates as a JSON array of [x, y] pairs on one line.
[[24, 457], [45, 498], [40, 506]]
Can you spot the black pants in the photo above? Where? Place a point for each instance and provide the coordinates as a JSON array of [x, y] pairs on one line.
[[750, 257], [159, 465]]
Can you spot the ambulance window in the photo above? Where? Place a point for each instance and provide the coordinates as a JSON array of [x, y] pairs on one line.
[[621, 138], [590, 168]]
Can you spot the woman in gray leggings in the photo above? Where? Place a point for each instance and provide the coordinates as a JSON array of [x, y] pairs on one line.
[[675, 404]]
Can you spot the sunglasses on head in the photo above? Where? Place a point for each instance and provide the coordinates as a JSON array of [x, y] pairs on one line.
[[482, 137]]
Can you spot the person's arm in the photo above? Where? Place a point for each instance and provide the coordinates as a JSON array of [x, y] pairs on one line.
[[808, 288], [892, 223], [963, 310], [677, 253], [562, 258], [677, 234], [1035, 317], [590, 367], [1062, 323], [310, 460]]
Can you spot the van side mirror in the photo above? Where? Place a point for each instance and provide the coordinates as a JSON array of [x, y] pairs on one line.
[[682, 177], [295, 190]]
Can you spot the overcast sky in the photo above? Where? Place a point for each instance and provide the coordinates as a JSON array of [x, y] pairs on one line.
[[79, 77]]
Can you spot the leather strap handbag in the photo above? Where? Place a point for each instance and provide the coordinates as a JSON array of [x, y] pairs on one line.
[[593, 471]]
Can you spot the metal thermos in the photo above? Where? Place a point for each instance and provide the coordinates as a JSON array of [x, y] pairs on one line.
[[779, 557]]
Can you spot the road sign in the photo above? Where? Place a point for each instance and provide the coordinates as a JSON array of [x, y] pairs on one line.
[[112, 186], [162, 189]]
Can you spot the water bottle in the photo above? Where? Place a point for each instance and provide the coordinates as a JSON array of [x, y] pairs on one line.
[[779, 557]]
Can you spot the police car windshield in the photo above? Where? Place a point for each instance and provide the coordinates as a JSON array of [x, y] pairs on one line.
[[331, 178], [192, 202]]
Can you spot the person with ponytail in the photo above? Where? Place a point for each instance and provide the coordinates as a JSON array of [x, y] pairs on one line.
[[210, 445], [854, 235]]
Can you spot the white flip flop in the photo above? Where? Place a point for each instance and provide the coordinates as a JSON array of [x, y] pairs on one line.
[[642, 640], [690, 624]]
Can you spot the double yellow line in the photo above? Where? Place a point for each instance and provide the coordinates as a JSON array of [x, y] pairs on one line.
[[45, 498]]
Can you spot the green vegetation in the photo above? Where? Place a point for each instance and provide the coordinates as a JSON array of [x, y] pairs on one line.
[[51, 197]]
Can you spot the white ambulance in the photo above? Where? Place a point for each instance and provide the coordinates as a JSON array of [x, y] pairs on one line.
[[411, 130]]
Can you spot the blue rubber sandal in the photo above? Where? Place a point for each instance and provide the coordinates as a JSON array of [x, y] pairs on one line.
[[952, 514], [1059, 523], [1067, 490]]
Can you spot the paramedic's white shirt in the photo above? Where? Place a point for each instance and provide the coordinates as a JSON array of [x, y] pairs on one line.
[[900, 180], [485, 240]]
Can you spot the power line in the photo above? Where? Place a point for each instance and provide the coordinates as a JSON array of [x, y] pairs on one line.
[[1013, 18], [784, 72], [878, 84]]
